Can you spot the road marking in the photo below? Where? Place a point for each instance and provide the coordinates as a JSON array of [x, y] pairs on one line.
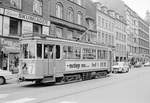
[[23, 100], [3, 96]]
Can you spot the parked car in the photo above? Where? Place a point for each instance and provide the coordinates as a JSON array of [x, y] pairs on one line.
[[120, 67], [138, 64], [147, 64], [4, 76]]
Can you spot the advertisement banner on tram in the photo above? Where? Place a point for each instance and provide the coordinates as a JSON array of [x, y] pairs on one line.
[[85, 65]]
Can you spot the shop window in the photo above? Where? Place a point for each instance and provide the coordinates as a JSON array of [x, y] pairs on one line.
[[37, 7], [59, 10], [39, 50], [37, 29], [16, 3], [15, 27]]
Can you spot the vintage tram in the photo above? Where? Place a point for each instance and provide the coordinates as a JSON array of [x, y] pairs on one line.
[[49, 59]]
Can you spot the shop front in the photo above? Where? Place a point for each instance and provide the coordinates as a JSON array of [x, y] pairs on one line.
[[10, 54]]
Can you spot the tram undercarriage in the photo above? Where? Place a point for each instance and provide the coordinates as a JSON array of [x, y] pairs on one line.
[[69, 78]]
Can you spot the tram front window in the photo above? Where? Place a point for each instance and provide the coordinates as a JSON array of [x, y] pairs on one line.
[[48, 51], [28, 51]]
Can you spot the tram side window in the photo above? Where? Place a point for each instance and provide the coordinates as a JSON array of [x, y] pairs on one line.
[[102, 54], [71, 52], [31, 50], [77, 53], [68, 52], [24, 51], [57, 52], [28, 51], [39, 50], [89, 53], [48, 51]]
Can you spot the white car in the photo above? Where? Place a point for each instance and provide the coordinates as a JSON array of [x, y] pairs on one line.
[[4, 76], [120, 67], [147, 64]]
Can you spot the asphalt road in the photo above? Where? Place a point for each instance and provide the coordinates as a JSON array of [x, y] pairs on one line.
[[132, 87]]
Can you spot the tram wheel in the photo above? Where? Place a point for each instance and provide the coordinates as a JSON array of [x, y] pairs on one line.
[[38, 81]]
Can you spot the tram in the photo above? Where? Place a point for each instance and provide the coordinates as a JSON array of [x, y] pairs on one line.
[[49, 59]]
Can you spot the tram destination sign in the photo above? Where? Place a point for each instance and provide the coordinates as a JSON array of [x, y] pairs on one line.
[[84, 65]]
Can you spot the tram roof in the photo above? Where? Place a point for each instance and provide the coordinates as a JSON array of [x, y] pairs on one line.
[[46, 37]]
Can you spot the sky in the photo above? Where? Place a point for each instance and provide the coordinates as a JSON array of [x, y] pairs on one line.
[[139, 6]]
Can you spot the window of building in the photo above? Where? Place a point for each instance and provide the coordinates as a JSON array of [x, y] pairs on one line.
[[79, 18], [59, 32], [79, 2], [37, 29], [16, 3], [70, 15], [15, 27], [59, 10], [91, 24], [39, 50], [37, 7], [69, 34]]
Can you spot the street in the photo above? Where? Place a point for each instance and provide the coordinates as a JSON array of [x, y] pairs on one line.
[[132, 87]]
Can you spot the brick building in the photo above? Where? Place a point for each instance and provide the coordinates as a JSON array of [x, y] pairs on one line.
[[17, 18]]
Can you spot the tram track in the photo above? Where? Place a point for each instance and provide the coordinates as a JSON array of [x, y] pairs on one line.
[[114, 82]]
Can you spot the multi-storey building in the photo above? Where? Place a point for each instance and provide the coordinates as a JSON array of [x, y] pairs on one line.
[[67, 18], [17, 18], [105, 25], [132, 34], [120, 38], [143, 39], [64, 19], [111, 31]]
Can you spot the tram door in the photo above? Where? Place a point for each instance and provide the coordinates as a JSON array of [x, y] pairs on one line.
[[49, 54]]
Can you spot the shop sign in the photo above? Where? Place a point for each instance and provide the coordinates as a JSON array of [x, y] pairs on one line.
[[34, 19], [84, 65], [9, 43], [11, 13], [26, 17], [1, 10]]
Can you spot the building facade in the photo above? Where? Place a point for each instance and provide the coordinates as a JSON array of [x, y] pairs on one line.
[[67, 18], [132, 34], [17, 18], [105, 26], [111, 31], [120, 38], [143, 39]]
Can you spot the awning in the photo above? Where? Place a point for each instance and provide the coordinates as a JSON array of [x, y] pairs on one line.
[[11, 50]]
